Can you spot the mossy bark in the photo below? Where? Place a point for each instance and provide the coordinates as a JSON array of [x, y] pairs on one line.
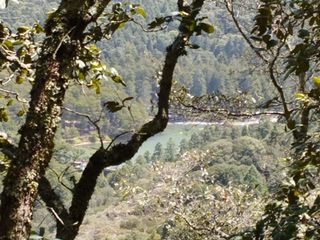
[[64, 32]]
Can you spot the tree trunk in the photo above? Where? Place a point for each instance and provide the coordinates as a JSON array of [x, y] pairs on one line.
[[64, 32], [35, 150]]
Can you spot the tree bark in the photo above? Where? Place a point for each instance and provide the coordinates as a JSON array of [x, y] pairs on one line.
[[64, 30], [120, 153]]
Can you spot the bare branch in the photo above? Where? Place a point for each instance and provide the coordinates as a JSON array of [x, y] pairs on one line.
[[120, 153], [15, 94], [9, 79], [275, 82], [115, 138], [60, 176], [93, 122], [148, 30], [229, 6], [53, 202], [200, 229]]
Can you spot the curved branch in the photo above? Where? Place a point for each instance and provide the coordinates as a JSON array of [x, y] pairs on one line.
[[229, 6], [15, 94], [54, 203], [93, 122], [120, 153]]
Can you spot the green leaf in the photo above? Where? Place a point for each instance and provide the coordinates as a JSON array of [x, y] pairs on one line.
[[272, 43], [118, 79], [141, 11], [208, 28], [316, 81], [184, 14], [3, 115], [38, 28], [300, 95], [113, 106], [8, 43], [96, 85], [121, 25], [93, 49], [21, 77], [21, 113], [23, 29], [10, 102], [304, 33], [114, 75]]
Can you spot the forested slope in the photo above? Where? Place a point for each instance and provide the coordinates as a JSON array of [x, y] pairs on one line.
[[222, 64]]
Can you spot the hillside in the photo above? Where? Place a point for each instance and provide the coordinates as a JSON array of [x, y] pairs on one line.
[[222, 64]]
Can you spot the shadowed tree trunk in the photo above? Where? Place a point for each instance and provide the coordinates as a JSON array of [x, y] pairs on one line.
[[64, 30]]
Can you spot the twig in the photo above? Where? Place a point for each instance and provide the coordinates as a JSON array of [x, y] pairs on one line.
[[148, 30], [60, 43], [207, 229], [14, 94], [222, 111], [56, 215], [59, 176], [115, 138], [229, 6], [93, 122], [10, 78]]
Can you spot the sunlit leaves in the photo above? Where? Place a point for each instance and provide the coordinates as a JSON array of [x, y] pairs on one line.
[[92, 71], [208, 28], [120, 14], [316, 81], [138, 9], [114, 106], [4, 117], [188, 24]]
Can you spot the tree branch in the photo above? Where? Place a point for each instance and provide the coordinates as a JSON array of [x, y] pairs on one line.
[[229, 7], [120, 153], [54, 203], [93, 122], [15, 94], [8, 148]]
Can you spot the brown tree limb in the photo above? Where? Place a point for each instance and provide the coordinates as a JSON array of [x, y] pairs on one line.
[[53, 202], [120, 153]]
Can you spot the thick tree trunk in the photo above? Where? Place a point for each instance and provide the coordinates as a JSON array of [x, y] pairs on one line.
[[35, 150], [64, 31]]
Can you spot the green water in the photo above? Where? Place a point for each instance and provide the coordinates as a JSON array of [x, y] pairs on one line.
[[175, 131]]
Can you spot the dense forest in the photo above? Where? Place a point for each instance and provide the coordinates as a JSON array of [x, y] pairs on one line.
[[159, 120]]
